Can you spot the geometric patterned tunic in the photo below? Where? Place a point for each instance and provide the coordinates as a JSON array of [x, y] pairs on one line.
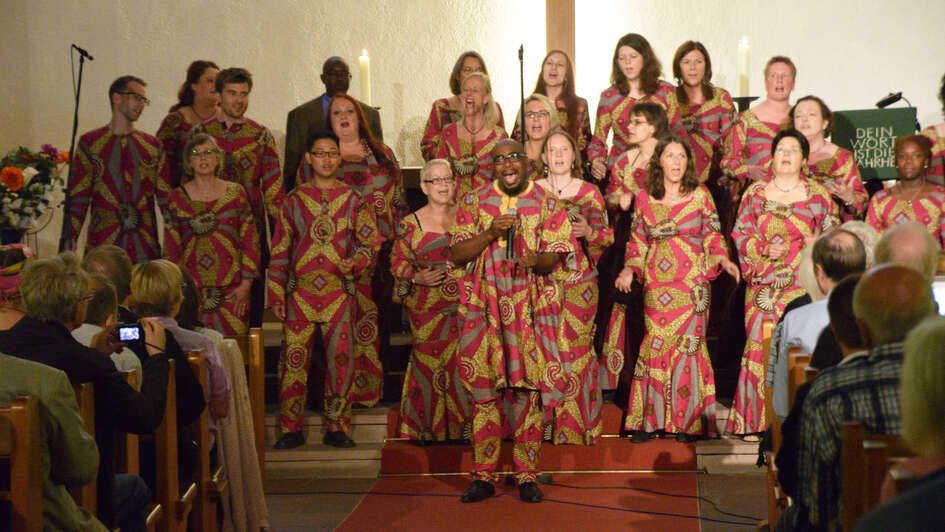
[[841, 168], [936, 169], [442, 115], [746, 143], [613, 111], [174, 133], [703, 127], [886, 211], [471, 164]]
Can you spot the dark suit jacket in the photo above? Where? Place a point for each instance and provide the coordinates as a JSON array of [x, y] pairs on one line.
[[919, 508], [305, 120]]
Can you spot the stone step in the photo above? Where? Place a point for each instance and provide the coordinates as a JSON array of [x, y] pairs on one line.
[[368, 425], [315, 460]]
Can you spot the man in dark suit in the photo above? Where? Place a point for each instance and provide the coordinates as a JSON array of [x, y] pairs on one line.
[[309, 117]]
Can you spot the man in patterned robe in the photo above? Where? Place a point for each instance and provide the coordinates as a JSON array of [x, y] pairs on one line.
[[251, 160], [509, 314], [325, 235], [121, 173]]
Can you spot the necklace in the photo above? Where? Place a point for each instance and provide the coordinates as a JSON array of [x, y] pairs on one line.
[[202, 118], [473, 133], [915, 193], [785, 190], [560, 189]]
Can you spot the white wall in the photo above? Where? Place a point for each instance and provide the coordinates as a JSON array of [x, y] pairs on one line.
[[849, 52]]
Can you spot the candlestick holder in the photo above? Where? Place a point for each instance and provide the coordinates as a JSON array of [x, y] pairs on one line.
[[743, 102]]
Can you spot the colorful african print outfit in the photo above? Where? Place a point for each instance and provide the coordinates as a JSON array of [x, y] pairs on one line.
[[582, 123], [746, 143], [676, 250], [434, 404], [174, 134], [703, 126], [624, 179], [441, 116], [316, 229], [885, 211], [936, 169], [216, 242], [841, 168], [472, 165], [613, 112], [122, 178], [771, 283], [510, 319]]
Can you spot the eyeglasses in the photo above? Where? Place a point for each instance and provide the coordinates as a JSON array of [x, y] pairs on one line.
[[532, 115], [438, 181], [205, 153], [513, 157], [639, 122], [136, 96], [787, 151], [319, 154]]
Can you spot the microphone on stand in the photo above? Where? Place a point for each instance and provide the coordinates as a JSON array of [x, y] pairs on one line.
[[510, 237], [83, 53], [892, 98]]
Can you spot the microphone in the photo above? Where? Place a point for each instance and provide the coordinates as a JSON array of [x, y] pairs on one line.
[[83, 53], [892, 98], [509, 238]]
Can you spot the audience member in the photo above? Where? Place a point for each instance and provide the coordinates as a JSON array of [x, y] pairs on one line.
[[101, 313], [909, 244], [12, 259]]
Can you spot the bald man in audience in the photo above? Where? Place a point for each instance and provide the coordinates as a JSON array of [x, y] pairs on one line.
[[888, 302], [909, 244]]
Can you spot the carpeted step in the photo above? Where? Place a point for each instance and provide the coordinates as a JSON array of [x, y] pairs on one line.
[[610, 454]]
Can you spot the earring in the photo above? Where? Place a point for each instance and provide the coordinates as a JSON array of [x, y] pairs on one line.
[[572, 166]]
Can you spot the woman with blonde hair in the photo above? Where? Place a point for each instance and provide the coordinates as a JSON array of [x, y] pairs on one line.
[[540, 119]]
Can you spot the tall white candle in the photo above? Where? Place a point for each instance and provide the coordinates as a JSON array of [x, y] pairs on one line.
[[365, 63], [743, 52]]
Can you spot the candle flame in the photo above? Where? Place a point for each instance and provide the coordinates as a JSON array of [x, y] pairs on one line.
[[744, 40], [364, 51]]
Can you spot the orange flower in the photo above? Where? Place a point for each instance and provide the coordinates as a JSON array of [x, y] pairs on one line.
[[12, 178], [63, 157]]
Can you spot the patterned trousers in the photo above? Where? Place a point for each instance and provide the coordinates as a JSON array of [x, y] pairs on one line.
[[293, 373], [525, 418]]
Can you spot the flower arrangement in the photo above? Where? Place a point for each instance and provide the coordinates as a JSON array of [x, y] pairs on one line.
[[27, 181]]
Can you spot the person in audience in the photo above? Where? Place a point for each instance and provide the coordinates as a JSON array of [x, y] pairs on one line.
[[68, 453], [646, 127], [101, 313], [303, 121], [55, 294], [556, 81], [829, 164], [325, 236], [836, 254], [635, 77], [776, 219], [909, 244], [578, 421], [745, 146], [434, 406], [197, 101], [13, 258], [211, 235], [888, 302], [509, 308], [843, 326], [468, 142], [676, 249], [156, 294], [923, 428], [120, 174], [540, 119], [936, 135], [914, 197], [446, 111], [702, 111]]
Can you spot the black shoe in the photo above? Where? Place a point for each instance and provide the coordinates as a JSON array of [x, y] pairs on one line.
[[639, 436], [529, 492], [477, 491], [289, 440], [686, 438], [338, 439]]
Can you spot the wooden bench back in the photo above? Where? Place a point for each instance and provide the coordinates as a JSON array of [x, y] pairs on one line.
[[86, 496], [864, 460], [21, 488]]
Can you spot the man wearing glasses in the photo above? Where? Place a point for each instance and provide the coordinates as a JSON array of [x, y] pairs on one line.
[[306, 119], [122, 174], [509, 235]]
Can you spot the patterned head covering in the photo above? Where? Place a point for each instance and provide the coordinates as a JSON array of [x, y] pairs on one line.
[[12, 274]]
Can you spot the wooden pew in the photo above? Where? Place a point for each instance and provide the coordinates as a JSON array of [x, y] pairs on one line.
[[864, 460], [86, 496], [176, 505], [778, 501], [211, 483], [797, 364], [128, 460], [20, 455], [253, 350]]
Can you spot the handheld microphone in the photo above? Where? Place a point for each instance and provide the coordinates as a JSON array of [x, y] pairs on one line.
[[83, 53], [509, 238], [892, 98]]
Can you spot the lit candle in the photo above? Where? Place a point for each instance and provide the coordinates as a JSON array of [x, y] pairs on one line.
[[743, 51], [365, 63]]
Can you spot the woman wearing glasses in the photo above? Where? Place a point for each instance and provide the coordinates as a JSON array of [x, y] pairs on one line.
[[211, 234], [445, 111], [776, 219], [435, 405], [540, 119]]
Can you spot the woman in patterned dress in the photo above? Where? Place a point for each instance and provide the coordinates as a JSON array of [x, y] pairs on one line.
[[435, 406], [211, 234], [540, 119], [914, 197], [468, 143], [676, 249], [369, 167], [776, 219], [196, 102], [578, 420], [829, 164], [448, 110], [634, 78]]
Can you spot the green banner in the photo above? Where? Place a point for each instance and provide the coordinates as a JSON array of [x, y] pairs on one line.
[[870, 135]]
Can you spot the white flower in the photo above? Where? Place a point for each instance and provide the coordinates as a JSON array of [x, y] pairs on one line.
[[29, 173]]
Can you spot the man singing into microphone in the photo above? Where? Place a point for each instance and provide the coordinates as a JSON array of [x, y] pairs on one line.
[[508, 236]]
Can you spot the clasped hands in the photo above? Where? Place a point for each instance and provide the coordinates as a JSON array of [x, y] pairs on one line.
[[500, 226]]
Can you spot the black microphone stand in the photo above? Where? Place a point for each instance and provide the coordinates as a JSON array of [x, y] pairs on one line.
[[65, 240], [510, 236]]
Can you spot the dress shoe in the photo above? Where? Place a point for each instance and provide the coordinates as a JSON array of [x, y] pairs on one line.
[[529, 492], [477, 491], [289, 440], [338, 439], [639, 436], [686, 438]]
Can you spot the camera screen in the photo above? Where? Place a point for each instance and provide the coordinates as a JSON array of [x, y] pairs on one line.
[[129, 333]]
